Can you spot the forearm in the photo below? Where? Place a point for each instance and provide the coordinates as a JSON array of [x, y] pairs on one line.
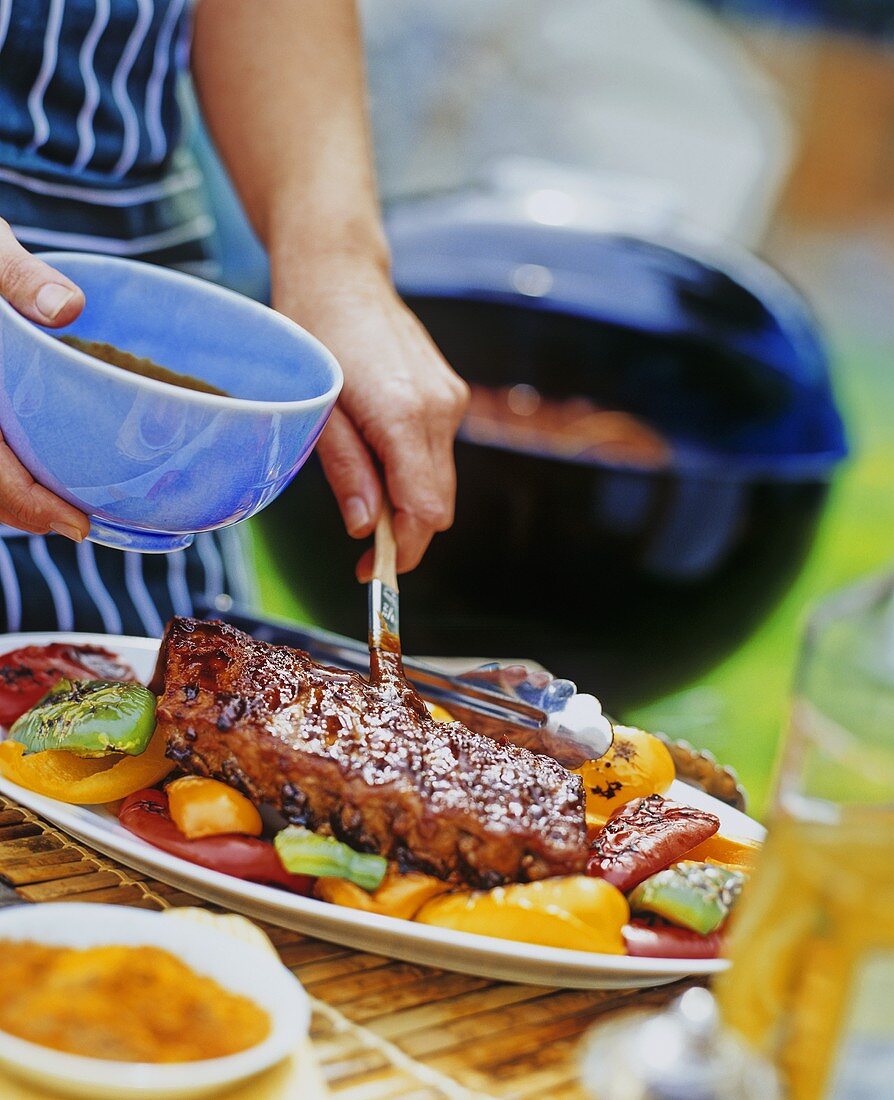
[[281, 85], [282, 90]]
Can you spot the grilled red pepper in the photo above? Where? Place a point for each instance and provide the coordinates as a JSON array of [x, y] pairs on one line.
[[146, 814], [27, 674], [645, 836], [656, 939]]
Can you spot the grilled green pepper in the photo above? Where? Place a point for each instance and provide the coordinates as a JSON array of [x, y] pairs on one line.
[[305, 853], [694, 895], [89, 718]]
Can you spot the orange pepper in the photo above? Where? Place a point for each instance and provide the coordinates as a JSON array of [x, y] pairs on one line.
[[576, 912], [636, 765], [736, 853], [399, 895], [206, 807], [84, 781]]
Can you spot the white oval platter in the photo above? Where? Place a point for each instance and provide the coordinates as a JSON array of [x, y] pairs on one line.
[[483, 956]]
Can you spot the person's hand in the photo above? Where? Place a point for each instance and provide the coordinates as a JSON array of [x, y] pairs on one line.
[[46, 296], [398, 412]]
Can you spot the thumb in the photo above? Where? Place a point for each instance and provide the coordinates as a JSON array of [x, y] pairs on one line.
[[35, 289]]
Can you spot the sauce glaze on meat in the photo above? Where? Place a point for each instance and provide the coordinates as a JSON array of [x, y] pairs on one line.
[[364, 762]]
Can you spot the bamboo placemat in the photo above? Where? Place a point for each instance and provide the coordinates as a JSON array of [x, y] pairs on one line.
[[381, 1029]]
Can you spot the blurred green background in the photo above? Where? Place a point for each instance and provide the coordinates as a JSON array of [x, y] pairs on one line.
[[740, 708]]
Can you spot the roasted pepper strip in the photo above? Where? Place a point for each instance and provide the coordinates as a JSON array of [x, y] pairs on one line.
[[694, 895], [84, 781], [308, 853], [400, 895], [146, 814], [645, 836], [652, 938], [579, 913], [89, 718], [734, 853]]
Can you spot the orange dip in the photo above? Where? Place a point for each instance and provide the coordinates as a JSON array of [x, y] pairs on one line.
[[127, 1004]]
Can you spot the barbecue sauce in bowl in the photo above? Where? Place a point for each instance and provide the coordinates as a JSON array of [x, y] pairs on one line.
[[147, 368]]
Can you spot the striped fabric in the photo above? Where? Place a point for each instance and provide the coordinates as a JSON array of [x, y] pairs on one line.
[[165, 221], [89, 130], [53, 584], [89, 86], [89, 161]]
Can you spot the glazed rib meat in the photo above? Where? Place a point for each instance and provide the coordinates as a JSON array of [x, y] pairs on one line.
[[364, 762]]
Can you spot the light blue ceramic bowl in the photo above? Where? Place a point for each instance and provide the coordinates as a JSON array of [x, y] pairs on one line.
[[151, 463]]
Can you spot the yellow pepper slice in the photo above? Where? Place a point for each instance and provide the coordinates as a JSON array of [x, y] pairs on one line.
[[636, 765], [736, 853], [206, 807], [81, 780], [438, 712], [577, 912], [400, 895]]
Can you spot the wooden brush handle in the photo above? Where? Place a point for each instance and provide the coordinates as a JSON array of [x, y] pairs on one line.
[[385, 557]]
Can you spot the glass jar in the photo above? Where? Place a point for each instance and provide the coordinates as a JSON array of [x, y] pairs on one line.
[[812, 980]]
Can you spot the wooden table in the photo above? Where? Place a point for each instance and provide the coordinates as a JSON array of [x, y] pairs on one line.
[[381, 1029]]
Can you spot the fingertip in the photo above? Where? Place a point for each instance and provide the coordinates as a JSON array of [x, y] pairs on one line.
[[34, 288], [412, 538], [351, 474], [58, 304], [408, 562], [71, 310], [364, 568], [62, 517], [358, 516], [68, 530]]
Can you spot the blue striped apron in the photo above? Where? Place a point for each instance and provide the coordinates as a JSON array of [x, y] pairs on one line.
[[90, 161]]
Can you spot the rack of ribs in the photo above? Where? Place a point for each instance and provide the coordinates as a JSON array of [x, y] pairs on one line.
[[364, 762]]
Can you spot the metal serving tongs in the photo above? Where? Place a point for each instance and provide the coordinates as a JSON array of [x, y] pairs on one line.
[[577, 732], [569, 726]]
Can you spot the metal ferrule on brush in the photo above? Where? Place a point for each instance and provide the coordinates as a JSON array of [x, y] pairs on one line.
[[384, 615]]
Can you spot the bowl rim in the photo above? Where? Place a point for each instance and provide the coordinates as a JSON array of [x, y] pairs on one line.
[[46, 338], [25, 1057]]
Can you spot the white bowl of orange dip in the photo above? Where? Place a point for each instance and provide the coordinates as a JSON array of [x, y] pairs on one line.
[[220, 993]]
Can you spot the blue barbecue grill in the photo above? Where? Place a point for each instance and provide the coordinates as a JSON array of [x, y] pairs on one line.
[[628, 580]]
